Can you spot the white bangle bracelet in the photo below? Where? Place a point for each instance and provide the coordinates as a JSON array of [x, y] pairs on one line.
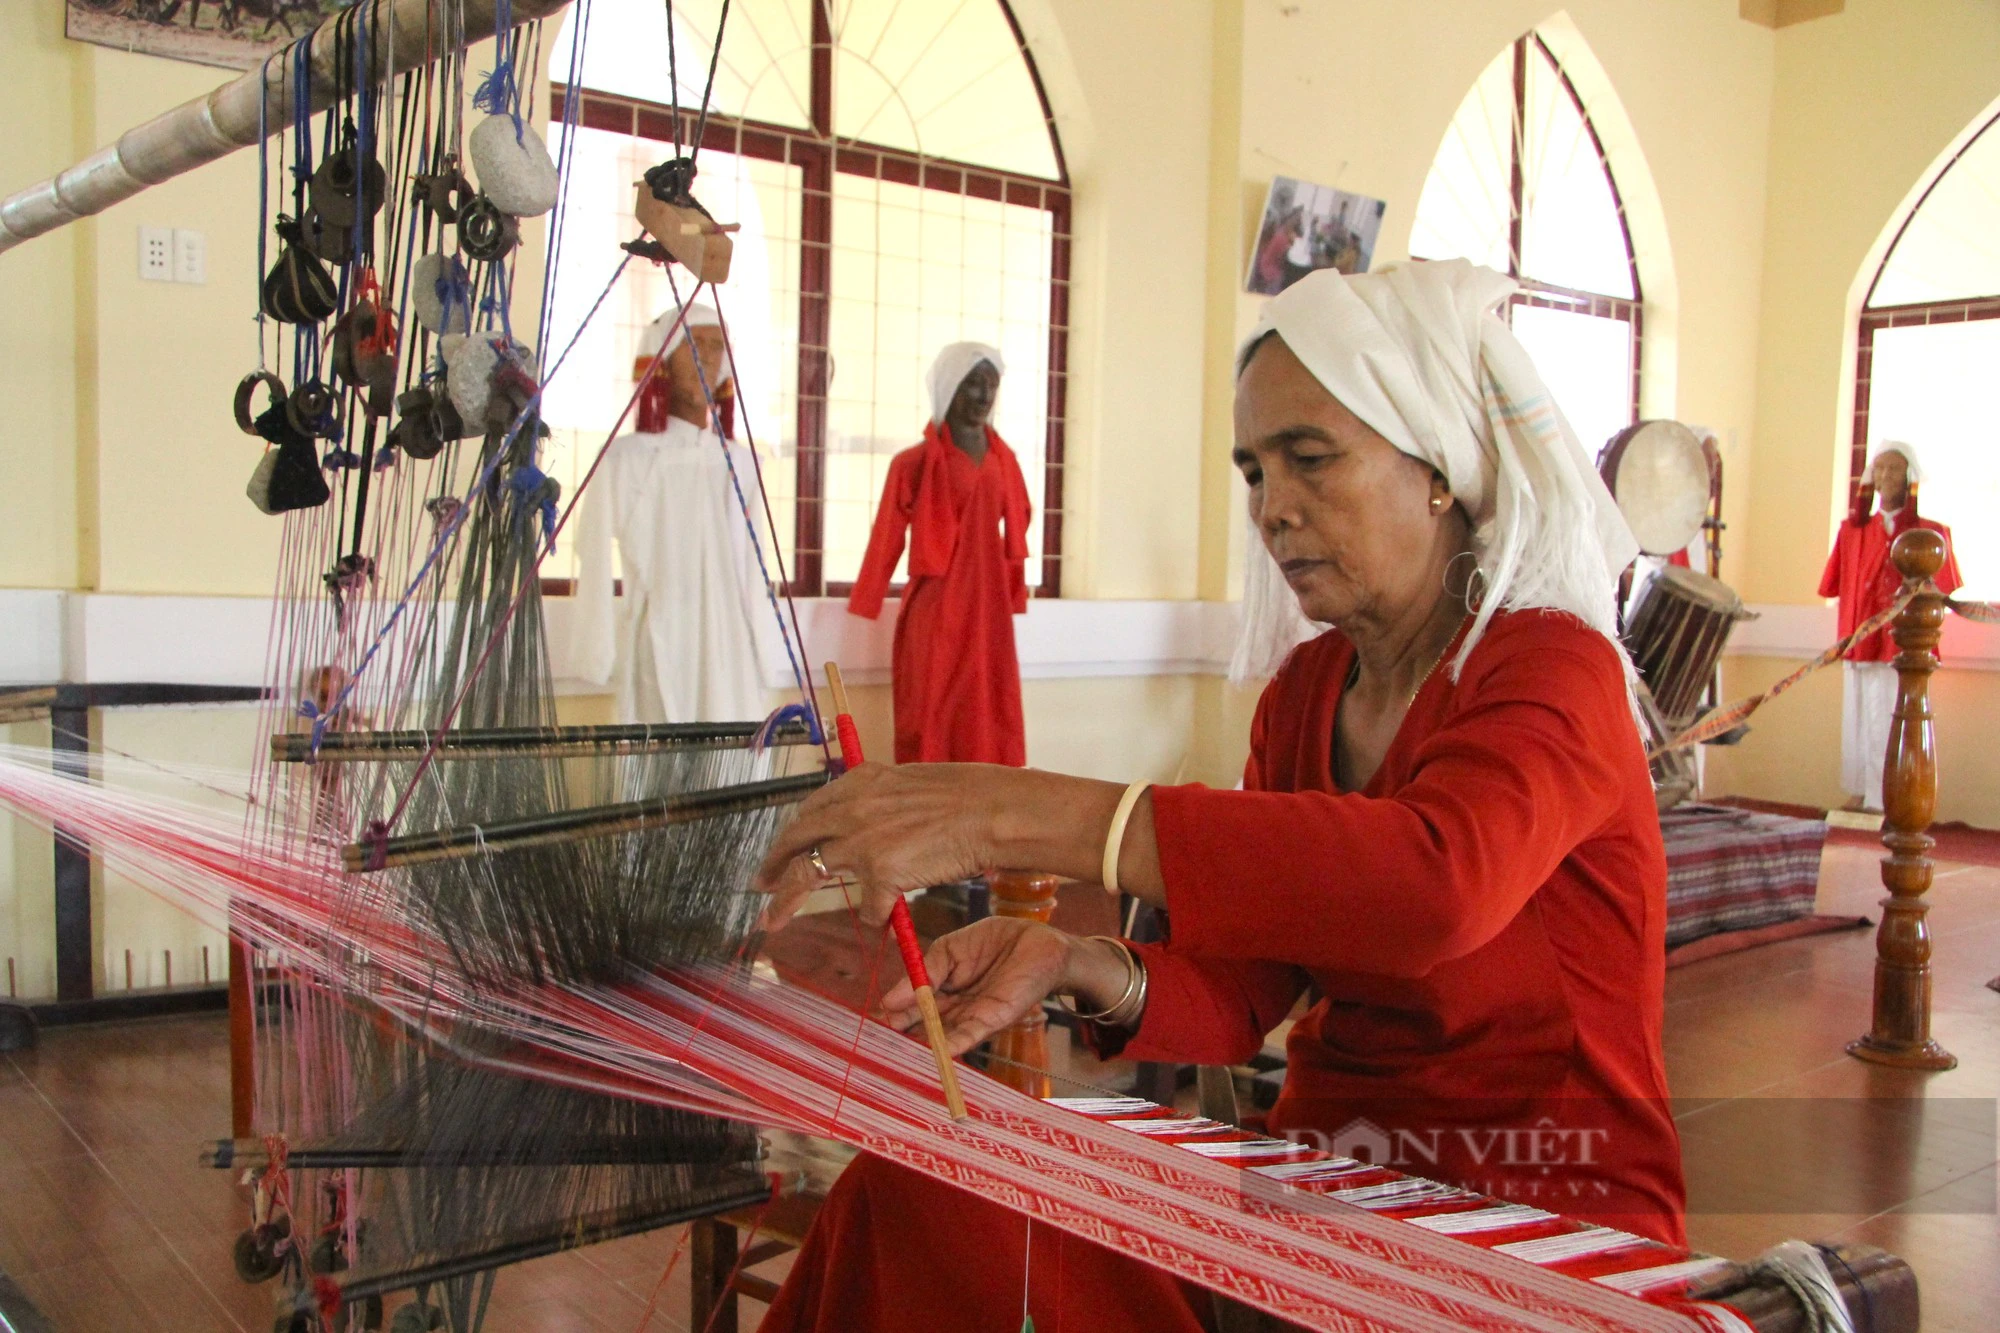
[[1114, 839]]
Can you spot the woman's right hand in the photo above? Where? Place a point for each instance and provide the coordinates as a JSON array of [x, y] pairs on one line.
[[996, 971]]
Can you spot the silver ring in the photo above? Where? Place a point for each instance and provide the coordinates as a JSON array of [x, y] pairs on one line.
[[817, 864]]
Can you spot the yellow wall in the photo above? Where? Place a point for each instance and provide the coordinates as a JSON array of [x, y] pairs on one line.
[[1865, 101], [38, 342], [1359, 95]]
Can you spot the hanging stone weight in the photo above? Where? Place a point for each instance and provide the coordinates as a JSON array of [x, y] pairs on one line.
[[485, 232], [441, 294], [288, 476], [298, 289], [490, 379], [514, 167]]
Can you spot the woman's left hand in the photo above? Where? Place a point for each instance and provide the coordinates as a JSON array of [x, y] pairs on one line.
[[986, 976], [889, 830]]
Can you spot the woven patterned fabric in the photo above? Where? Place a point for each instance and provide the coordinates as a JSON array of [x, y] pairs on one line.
[[1730, 869]]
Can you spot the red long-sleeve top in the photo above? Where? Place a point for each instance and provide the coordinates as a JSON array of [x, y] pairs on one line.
[[1483, 925], [1860, 573]]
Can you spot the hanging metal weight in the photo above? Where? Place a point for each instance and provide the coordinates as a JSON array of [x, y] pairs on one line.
[[314, 410], [365, 356], [446, 192], [484, 232], [428, 422], [347, 185], [246, 389]]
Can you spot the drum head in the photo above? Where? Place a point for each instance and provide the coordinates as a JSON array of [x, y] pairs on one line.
[[1659, 476]]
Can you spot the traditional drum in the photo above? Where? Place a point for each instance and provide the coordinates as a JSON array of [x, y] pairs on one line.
[[1661, 478], [1676, 637]]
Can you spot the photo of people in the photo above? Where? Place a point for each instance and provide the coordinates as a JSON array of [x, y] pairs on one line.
[[1308, 227], [232, 33]]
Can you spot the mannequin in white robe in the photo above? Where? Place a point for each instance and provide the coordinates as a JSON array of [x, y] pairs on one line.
[[685, 641]]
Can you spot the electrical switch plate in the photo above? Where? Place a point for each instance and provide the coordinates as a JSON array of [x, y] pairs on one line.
[[156, 254], [190, 256]]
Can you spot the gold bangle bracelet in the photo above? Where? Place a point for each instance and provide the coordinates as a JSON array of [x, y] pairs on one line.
[[1135, 976], [1128, 1013]]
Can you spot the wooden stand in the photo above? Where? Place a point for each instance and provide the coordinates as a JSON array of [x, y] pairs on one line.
[[1901, 1033], [1021, 1050]]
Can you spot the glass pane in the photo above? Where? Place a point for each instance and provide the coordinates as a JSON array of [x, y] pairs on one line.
[[1951, 249], [1586, 360], [945, 80], [1463, 211], [1571, 235], [760, 304], [765, 72], [1933, 385], [913, 270]]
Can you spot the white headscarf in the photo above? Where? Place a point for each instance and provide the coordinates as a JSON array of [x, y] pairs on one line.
[[954, 362], [1909, 453], [701, 315], [1417, 352]]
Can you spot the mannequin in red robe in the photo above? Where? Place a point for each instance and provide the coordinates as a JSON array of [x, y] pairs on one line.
[[1483, 921], [1860, 573], [960, 500]]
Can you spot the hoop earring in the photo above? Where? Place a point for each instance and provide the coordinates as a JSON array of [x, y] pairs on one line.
[[1475, 580]]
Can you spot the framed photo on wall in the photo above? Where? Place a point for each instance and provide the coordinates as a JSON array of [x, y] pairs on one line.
[[1309, 227], [235, 34]]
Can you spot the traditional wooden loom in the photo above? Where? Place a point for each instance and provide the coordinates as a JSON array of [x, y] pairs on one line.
[[560, 939]]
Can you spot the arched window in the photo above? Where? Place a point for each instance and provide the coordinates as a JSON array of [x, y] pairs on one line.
[[1520, 184], [899, 185], [1929, 346]]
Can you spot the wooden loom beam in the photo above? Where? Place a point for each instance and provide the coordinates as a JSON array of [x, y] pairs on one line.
[[350, 747], [1900, 1034], [570, 826], [216, 124]]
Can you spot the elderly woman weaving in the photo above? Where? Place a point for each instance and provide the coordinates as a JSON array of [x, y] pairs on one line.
[[1447, 835]]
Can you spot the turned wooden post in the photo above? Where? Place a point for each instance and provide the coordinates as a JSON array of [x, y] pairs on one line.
[[1021, 1050], [1901, 1034]]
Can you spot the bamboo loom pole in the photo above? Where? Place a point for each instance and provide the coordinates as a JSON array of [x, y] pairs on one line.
[[217, 124]]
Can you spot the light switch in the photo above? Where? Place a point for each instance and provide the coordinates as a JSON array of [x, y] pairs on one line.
[[190, 256]]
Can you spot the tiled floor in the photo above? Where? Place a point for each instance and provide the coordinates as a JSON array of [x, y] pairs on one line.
[[107, 1223]]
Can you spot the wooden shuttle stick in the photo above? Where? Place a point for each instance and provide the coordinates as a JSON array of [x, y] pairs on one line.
[[899, 916]]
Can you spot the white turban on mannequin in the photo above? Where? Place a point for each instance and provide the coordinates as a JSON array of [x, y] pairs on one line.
[[953, 364], [701, 315], [1909, 453], [1418, 354]]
